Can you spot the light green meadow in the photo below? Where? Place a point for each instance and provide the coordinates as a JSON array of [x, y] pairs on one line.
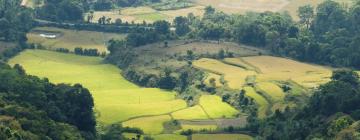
[[116, 99]]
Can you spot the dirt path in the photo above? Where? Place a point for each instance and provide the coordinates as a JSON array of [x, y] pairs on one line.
[[24, 2]]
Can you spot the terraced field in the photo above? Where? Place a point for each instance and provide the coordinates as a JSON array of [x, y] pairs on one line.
[[235, 76], [272, 90], [260, 100], [71, 39], [215, 108], [281, 69], [116, 99], [265, 73]]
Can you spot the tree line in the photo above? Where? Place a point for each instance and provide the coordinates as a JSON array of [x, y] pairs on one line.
[[330, 36]]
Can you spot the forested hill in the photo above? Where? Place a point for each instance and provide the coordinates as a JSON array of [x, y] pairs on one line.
[[33, 108]]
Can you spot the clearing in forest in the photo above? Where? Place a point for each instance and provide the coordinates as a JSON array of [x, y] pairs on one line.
[[53, 38]]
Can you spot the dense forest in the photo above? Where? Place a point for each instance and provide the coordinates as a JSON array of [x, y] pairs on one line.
[[33, 108]]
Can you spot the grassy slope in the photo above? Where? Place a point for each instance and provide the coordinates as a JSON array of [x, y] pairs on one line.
[[221, 137], [115, 100], [71, 39]]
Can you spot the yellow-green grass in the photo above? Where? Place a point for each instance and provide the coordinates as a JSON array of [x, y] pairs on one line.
[[116, 99], [221, 137], [169, 137], [191, 113], [185, 127], [282, 69], [235, 76], [71, 39], [272, 90], [260, 100], [150, 125], [215, 108], [144, 13]]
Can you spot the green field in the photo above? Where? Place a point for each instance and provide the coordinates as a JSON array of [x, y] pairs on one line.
[[115, 100], [191, 113], [221, 137], [215, 108], [272, 90], [71, 39], [150, 125]]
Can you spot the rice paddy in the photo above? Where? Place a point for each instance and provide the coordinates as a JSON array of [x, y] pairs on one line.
[[272, 90], [260, 101], [282, 69], [192, 113], [215, 108], [115, 100], [235, 76]]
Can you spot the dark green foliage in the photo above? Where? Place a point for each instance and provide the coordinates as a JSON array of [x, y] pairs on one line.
[[62, 10], [86, 52], [120, 54], [181, 25], [42, 110], [15, 21]]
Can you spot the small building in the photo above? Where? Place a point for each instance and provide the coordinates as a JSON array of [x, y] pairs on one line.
[[48, 36]]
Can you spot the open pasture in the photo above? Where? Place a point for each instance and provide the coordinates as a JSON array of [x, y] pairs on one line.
[[71, 39], [215, 108], [235, 76], [115, 100], [221, 137], [282, 69]]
